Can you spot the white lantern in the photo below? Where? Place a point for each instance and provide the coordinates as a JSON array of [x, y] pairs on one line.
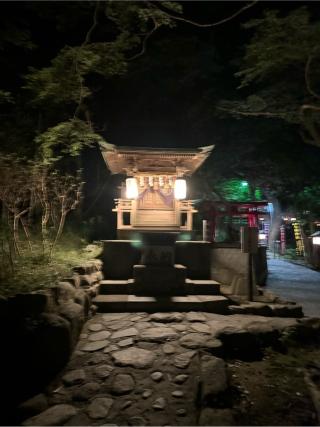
[[316, 240], [132, 188], [180, 189]]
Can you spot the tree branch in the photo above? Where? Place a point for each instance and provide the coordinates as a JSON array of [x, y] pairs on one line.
[[252, 114], [197, 24], [144, 43]]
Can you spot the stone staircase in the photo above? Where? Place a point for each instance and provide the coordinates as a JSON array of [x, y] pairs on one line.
[[196, 295]]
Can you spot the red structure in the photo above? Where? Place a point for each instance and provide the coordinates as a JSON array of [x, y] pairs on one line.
[[230, 216]]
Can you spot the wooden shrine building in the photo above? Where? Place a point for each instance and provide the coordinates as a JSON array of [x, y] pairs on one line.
[[154, 194]]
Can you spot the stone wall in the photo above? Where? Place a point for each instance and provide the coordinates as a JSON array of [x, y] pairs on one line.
[[229, 266], [40, 329]]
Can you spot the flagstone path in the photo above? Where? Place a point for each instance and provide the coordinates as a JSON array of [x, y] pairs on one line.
[[145, 369]]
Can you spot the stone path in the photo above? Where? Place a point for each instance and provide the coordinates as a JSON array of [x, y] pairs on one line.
[[145, 369], [296, 283]]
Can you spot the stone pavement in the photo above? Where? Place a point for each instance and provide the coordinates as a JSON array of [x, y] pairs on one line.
[[150, 369], [296, 283]]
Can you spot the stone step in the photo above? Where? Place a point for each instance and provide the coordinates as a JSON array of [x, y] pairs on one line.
[[202, 287], [117, 287], [126, 303], [191, 287]]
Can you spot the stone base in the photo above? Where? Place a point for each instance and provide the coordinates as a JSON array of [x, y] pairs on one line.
[[159, 280]]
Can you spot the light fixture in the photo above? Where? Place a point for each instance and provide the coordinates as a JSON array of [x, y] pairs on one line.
[[132, 191], [316, 240], [262, 236], [180, 189]]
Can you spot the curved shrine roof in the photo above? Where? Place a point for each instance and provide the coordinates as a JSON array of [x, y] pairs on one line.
[[145, 160]]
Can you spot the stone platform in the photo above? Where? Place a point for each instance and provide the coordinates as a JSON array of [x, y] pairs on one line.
[[132, 303]]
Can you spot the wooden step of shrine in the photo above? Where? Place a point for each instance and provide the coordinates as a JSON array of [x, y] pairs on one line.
[[191, 287], [128, 303]]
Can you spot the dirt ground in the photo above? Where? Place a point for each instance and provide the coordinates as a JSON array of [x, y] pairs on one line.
[[273, 391]]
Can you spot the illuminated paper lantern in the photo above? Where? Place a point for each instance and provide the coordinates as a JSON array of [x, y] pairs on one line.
[[316, 240], [180, 189], [131, 188]]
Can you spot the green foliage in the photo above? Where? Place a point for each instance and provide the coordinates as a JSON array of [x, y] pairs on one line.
[[66, 139], [33, 271], [64, 80], [308, 200], [135, 16], [237, 190], [280, 70], [6, 97], [278, 44]]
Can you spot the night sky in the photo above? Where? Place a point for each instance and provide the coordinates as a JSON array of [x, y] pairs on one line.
[[167, 97]]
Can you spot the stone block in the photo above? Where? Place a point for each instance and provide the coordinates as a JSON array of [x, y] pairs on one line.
[[158, 280], [119, 257], [195, 255]]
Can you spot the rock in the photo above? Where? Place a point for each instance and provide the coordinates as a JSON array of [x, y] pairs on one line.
[[159, 334], [137, 421], [60, 396], [99, 336], [157, 376], [99, 407], [126, 342], [54, 343], [193, 316], [177, 393], [180, 379], [87, 280], [54, 416], [109, 317], [134, 356], [147, 393], [111, 348], [115, 326], [86, 391], [213, 377], [95, 345], [103, 371], [181, 412], [216, 417], [76, 376], [31, 304], [33, 406], [83, 336], [166, 317], [179, 327], [136, 318], [169, 348], [130, 332], [126, 404], [142, 325], [74, 313], [254, 308], [196, 340], [159, 404], [97, 358], [183, 360], [95, 327], [80, 419], [65, 291], [200, 327], [122, 384], [240, 343], [286, 310]]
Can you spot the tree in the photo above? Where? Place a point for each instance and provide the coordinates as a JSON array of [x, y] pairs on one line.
[[280, 72]]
